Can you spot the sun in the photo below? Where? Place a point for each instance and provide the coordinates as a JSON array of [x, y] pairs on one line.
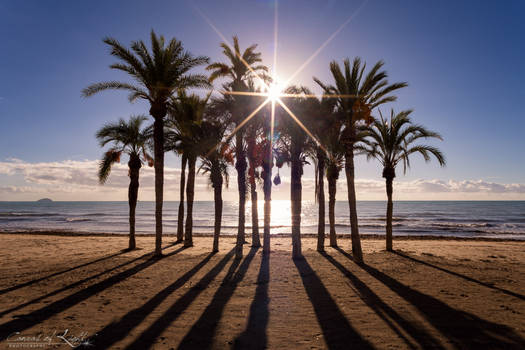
[[274, 91]]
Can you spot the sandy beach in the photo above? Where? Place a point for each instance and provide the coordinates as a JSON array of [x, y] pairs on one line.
[[428, 294]]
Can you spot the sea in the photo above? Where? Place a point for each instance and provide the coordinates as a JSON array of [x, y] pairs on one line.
[[474, 219]]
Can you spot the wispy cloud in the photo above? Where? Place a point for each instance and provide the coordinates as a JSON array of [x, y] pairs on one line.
[[77, 180]]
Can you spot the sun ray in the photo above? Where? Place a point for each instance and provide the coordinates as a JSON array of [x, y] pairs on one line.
[[275, 28], [272, 124], [244, 93], [318, 96], [246, 120], [238, 54], [327, 41], [294, 117]]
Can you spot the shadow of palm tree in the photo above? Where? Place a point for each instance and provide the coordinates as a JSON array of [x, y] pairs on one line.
[[392, 318], [117, 331], [463, 329], [72, 285], [42, 314], [147, 338], [202, 332], [467, 278], [337, 331], [25, 284], [254, 336]]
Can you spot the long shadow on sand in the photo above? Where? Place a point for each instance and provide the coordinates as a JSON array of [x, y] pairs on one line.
[[254, 336], [392, 318], [337, 331], [467, 278], [72, 285], [464, 330], [42, 314], [117, 331], [25, 284], [147, 339], [202, 332]]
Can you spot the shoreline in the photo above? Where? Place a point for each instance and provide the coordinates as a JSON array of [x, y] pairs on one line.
[[345, 236]]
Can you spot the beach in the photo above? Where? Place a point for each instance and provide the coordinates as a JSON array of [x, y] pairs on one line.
[[429, 293]]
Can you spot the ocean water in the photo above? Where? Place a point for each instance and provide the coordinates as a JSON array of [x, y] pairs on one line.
[[498, 219]]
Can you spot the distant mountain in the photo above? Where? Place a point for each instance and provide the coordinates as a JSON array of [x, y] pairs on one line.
[[45, 200]]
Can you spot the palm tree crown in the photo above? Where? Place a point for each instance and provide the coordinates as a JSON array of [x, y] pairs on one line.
[[358, 94], [158, 74], [127, 137], [393, 141], [237, 69]]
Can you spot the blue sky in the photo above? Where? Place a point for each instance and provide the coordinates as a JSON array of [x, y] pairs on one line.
[[463, 62]]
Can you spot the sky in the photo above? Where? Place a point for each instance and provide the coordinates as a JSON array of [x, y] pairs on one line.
[[463, 61]]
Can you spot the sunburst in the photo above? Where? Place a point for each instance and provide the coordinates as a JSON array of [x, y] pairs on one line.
[[274, 92]]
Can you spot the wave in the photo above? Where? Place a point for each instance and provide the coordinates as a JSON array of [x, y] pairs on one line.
[[77, 219], [461, 225], [382, 218], [17, 214]]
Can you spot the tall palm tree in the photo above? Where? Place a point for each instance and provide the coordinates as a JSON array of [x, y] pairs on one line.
[[180, 213], [241, 67], [158, 75], [266, 174], [185, 116], [254, 147], [216, 159], [294, 142], [335, 163], [391, 142], [126, 137], [322, 125], [358, 94]]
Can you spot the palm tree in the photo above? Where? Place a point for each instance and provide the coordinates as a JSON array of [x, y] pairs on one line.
[[129, 138], [322, 125], [358, 95], [158, 75], [294, 143], [254, 155], [392, 142], [335, 163], [185, 116], [266, 174], [239, 70], [180, 214], [216, 159]]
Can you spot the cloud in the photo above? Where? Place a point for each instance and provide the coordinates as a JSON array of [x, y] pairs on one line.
[[77, 180]]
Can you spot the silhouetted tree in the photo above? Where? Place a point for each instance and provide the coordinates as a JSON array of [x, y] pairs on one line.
[[186, 114], [391, 142], [216, 159], [357, 95], [126, 137], [158, 74], [241, 67]]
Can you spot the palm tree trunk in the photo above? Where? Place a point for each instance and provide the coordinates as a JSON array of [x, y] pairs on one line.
[[357, 252], [217, 194], [389, 210], [320, 197], [180, 220], [158, 112], [240, 166], [296, 196], [256, 241], [190, 192], [134, 169], [267, 188], [332, 189]]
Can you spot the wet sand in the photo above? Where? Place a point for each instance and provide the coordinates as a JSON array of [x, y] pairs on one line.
[[428, 294]]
